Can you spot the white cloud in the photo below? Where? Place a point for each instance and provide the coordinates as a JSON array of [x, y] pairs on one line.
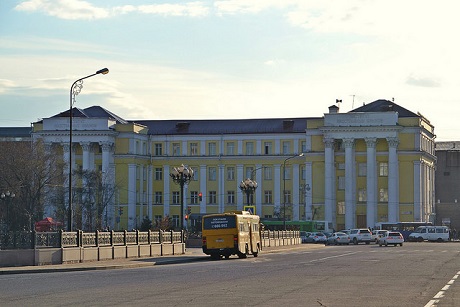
[[65, 9], [82, 10], [192, 9], [5, 85]]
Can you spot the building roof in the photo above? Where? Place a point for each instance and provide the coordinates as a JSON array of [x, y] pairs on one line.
[[225, 126], [95, 112], [383, 105], [447, 146], [15, 132]]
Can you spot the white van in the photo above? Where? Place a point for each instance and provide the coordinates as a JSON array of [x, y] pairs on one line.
[[430, 233]]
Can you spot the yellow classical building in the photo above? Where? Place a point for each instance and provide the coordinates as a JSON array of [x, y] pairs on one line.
[[373, 164]]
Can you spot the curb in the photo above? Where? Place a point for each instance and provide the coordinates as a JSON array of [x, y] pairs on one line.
[[133, 263]]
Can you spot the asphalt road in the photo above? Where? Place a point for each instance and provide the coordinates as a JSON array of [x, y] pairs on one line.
[[417, 274]]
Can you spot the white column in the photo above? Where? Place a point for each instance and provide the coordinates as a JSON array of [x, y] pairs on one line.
[[108, 179], [86, 147], [131, 196], [141, 195], [417, 191], [203, 181], [295, 192], [166, 190], [308, 191], [371, 182], [150, 191], [221, 192], [259, 196], [329, 179], [239, 178], [349, 164], [277, 197], [393, 181]]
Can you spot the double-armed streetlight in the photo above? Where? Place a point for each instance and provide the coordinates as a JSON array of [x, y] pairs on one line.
[[7, 197], [75, 89], [284, 185], [182, 175], [248, 186]]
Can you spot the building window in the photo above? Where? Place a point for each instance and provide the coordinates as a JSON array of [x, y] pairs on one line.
[[304, 146], [230, 173], [231, 197], [212, 148], [383, 169], [195, 174], [230, 148], [194, 197], [341, 208], [287, 196], [158, 173], [249, 171], [362, 195], [193, 149], [175, 197], [286, 147], [341, 183], [212, 197], [175, 220], [267, 148], [362, 169], [249, 148], [267, 173], [158, 219], [176, 149], [383, 195], [158, 149], [287, 173], [158, 198], [212, 174], [268, 197]]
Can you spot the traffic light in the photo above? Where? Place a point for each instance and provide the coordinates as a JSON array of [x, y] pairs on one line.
[[120, 211], [189, 210], [200, 196], [186, 217]]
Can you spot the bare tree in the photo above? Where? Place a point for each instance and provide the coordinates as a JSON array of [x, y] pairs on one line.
[[29, 170], [93, 199]]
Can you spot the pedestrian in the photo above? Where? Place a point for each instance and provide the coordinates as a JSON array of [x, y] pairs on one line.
[[454, 234]]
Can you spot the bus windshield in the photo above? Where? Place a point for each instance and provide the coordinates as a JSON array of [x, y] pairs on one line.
[[219, 222]]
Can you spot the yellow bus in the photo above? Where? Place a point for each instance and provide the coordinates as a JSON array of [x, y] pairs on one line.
[[231, 233]]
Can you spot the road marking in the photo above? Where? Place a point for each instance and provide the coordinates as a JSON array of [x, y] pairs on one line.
[[440, 294], [330, 257]]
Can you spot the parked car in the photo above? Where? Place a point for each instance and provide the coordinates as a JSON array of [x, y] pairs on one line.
[[347, 231], [430, 233], [338, 238], [376, 234], [391, 237], [316, 237], [360, 235], [304, 235]]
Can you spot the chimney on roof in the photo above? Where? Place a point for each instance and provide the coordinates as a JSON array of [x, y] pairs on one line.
[[288, 124], [333, 109], [182, 126]]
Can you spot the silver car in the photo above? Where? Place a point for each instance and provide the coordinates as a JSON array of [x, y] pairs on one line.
[[338, 238]]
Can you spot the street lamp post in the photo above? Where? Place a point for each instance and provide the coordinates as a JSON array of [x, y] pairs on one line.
[[248, 186], [182, 175], [75, 89], [284, 186], [7, 197]]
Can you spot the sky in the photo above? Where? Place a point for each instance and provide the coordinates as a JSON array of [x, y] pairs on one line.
[[230, 59]]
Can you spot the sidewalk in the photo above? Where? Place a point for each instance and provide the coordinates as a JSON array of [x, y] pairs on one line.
[[191, 254]]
